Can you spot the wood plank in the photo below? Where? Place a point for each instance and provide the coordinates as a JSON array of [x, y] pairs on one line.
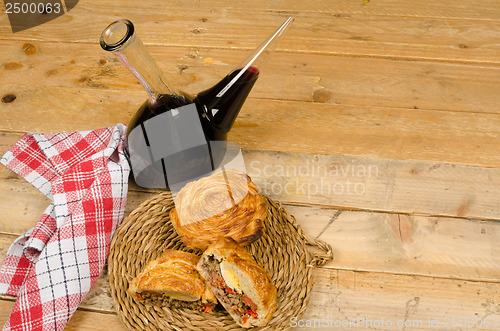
[[81, 320], [405, 134], [474, 9], [409, 187], [402, 244], [320, 78], [372, 297], [477, 9], [341, 296], [315, 128], [331, 32], [343, 182]]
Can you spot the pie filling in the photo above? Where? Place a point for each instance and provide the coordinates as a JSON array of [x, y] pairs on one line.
[[233, 301], [159, 299]]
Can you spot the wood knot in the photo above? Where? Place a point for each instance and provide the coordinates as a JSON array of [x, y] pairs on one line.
[[12, 66], [51, 72], [182, 67], [322, 95], [8, 98], [341, 15], [29, 49]]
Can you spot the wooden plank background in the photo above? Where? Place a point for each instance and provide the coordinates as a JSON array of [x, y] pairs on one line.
[[406, 89]]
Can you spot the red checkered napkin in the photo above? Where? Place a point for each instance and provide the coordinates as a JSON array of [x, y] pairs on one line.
[[53, 266]]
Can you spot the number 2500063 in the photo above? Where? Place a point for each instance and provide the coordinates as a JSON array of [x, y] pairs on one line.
[[32, 8]]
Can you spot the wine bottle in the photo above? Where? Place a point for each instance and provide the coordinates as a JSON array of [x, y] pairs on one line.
[[174, 137]]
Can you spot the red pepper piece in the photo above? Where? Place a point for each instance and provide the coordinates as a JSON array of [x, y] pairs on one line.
[[246, 300], [230, 290], [251, 313], [221, 281], [208, 308]]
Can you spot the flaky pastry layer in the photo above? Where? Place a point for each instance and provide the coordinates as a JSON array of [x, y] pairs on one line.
[[226, 204]]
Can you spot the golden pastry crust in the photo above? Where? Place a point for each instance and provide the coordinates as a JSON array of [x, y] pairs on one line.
[[174, 274], [253, 279], [226, 204]]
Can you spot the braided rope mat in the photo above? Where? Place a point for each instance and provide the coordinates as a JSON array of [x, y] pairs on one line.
[[147, 232]]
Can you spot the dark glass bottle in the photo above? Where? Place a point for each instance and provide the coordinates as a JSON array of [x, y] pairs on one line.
[[171, 138]]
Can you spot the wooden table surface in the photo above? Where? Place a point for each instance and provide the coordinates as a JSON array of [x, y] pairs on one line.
[[377, 125]]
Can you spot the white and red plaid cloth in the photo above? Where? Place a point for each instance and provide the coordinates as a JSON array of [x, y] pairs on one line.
[[53, 266]]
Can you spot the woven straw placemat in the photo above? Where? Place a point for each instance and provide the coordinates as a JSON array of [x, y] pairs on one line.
[[283, 250]]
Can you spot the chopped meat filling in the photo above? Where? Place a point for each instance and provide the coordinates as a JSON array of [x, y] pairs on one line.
[[158, 299], [232, 300]]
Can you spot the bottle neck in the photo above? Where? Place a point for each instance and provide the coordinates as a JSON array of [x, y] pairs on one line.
[[119, 37]]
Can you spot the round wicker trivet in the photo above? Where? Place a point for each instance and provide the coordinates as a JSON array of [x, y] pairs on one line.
[[147, 232]]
